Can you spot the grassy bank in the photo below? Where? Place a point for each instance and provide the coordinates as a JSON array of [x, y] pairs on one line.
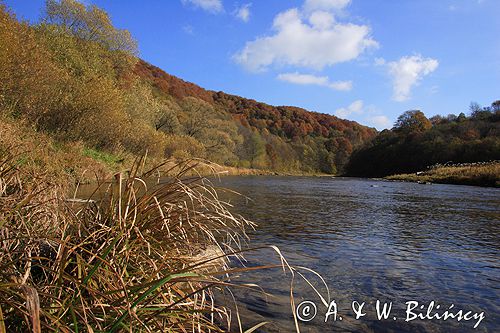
[[478, 174], [36, 153], [142, 258], [134, 261], [209, 169]]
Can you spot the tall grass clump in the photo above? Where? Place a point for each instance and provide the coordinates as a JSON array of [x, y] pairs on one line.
[[142, 257]]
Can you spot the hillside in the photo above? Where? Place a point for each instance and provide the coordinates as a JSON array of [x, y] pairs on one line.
[[417, 143], [310, 141], [77, 78]]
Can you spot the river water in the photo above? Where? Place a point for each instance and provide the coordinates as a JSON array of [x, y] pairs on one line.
[[371, 240]]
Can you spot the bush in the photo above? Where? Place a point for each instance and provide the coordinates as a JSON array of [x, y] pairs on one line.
[[183, 146]]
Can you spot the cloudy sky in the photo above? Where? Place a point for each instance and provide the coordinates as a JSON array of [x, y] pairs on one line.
[[364, 60]]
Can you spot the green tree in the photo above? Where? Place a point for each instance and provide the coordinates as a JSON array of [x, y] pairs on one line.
[[92, 25], [89, 23], [165, 117], [412, 121], [495, 106], [255, 149], [213, 128], [461, 117], [159, 113]]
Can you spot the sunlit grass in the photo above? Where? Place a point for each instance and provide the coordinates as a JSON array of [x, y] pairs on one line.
[[481, 174], [124, 263], [143, 256], [107, 158]]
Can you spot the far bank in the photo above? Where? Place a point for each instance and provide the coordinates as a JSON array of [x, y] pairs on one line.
[[478, 174]]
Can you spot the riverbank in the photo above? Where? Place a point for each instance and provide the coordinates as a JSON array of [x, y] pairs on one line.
[[477, 174], [71, 163], [207, 168], [139, 257], [76, 265]]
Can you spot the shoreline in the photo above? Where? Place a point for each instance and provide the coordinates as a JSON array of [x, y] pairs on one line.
[[472, 174]]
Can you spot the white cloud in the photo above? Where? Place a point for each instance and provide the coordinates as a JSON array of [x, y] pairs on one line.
[[243, 13], [314, 40], [341, 85], [321, 20], [407, 72], [356, 107], [329, 5], [308, 79], [379, 122], [368, 115], [212, 6]]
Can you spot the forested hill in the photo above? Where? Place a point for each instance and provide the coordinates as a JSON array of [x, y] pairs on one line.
[[274, 137], [77, 78], [416, 142]]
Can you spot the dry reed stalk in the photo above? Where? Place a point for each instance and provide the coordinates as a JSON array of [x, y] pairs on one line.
[[145, 257]]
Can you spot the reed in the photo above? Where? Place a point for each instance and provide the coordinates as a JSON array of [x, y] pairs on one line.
[[144, 257]]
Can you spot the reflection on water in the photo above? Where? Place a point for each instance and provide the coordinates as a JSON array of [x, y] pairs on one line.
[[373, 240]]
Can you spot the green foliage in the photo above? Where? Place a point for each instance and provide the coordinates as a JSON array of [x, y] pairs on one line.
[[450, 139], [109, 159], [412, 121], [254, 149], [90, 24]]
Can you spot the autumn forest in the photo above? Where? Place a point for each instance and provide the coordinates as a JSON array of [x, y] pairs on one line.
[[113, 217], [77, 78]]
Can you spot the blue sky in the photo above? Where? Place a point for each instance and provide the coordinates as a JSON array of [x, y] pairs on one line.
[[364, 60]]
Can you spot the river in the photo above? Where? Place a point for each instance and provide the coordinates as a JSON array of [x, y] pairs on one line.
[[372, 240]]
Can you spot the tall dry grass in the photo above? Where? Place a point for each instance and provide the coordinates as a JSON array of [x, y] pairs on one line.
[[142, 258]]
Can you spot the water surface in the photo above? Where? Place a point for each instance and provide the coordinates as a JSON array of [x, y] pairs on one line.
[[373, 240]]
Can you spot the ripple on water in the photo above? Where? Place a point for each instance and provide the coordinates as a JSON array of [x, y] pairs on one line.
[[392, 241]]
